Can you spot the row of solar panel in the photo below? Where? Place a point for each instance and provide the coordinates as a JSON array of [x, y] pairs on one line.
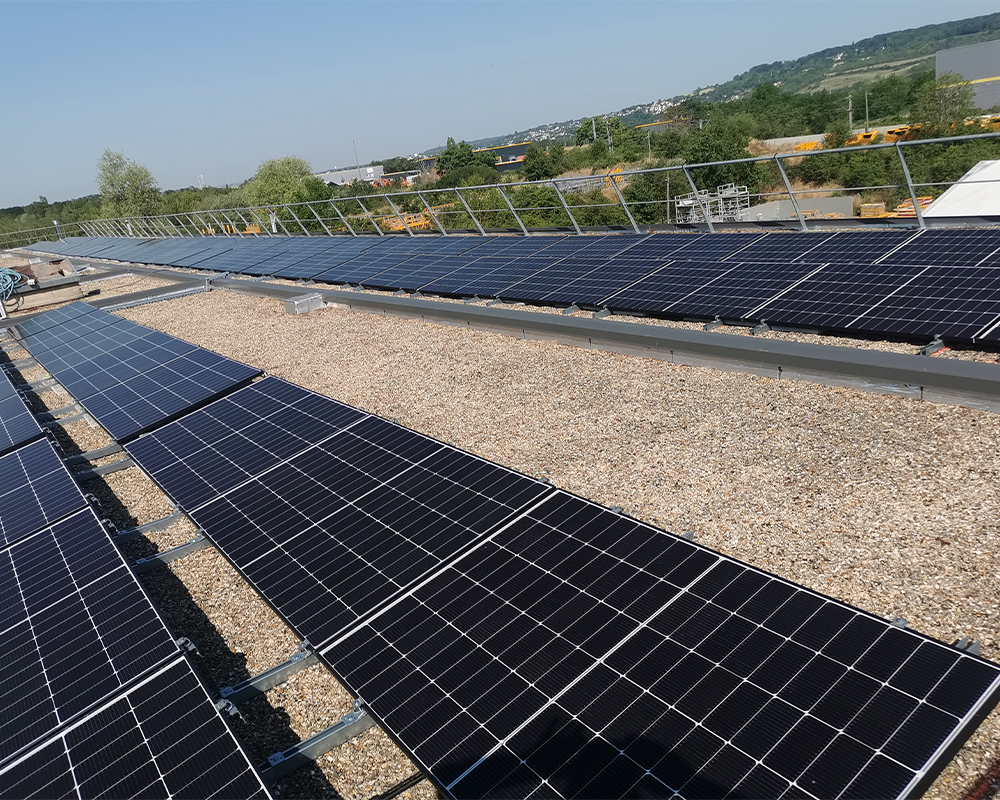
[[96, 700], [519, 641], [127, 376], [516, 639], [940, 283]]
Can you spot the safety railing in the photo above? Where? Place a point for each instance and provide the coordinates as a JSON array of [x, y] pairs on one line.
[[631, 200]]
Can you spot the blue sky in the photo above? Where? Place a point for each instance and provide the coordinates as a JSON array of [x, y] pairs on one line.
[[215, 88]]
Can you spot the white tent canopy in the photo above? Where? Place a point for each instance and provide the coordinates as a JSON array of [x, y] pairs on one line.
[[977, 194]]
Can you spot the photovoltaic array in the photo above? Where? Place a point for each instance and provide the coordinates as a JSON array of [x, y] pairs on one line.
[[516, 640], [891, 283]]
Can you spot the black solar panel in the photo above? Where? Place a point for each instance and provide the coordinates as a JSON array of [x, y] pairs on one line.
[[17, 424], [660, 246], [664, 287], [578, 653], [857, 247], [784, 247], [58, 317], [514, 246], [161, 738], [549, 281], [243, 253], [946, 248], [361, 267], [736, 294], [75, 627], [715, 246], [199, 256], [127, 409], [415, 272], [36, 490], [453, 245], [604, 280], [604, 246], [836, 295], [956, 303], [224, 444], [486, 276]]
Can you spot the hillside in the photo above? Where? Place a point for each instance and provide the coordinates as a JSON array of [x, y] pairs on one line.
[[896, 53]]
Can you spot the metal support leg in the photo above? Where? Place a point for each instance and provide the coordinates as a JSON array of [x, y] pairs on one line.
[[565, 206], [909, 185], [93, 455], [263, 227], [513, 211], [395, 210], [466, 205], [160, 524], [371, 219], [174, 553], [697, 197], [791, 194], [434, 216], [621, 199], [247, 226], [319, 219], [105, 469], [222, 226], [343, 219], [270, 678], [304, 229]]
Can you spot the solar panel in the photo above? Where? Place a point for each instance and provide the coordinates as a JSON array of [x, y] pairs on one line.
[[57, 317], [735, 294], [161, 738], [549, 280], [75, 627], [664, 287], [715, 246], [127, 409], [945, 248], [514, 246], [17, 424], [35, 490], [361, 267], [857, 247], [200, 256], [660, 246], [318, 263], [784, 247], [836, 295], [604, 280], [209, 451], [579, 653], [955, 303], [604, 246], [416, 272], [244, 253], [486, 276], [454, 245]]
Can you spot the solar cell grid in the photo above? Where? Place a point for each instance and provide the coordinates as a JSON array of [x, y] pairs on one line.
[[836, 295], [603, 280], [162, 738], [550, 280], [75, 627], [659, 246], [35, 490], [17, 424], [735, 294], [361, 267], [486, 276], [55, 318], [959, 248], [715, 246], [654, 293], [514, 246], [955, 303], [578, 653], [129, 408], [416, 272], [857, 247], [785, 247], [603, 246], [454, 245]]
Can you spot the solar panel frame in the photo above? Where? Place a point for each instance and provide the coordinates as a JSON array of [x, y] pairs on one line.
[[613, 659], [162, 737], [486, 276], [36, 490], [858, 247], [947, 248], [18, 425], [785, 246], [714, 246], [605, 279], [660, 246], [662, 288]]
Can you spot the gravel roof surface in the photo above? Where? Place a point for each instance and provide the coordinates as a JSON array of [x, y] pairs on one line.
[[886, 503]]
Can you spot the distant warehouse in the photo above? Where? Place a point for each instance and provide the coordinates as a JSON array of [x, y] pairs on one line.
[[505, 156], [978, 63]]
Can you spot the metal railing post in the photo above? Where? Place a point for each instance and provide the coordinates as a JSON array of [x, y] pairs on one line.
[[184, 227], [235, 228], [371, 219], [343, 219], [247, 226], [215, 219], [909, 185], [697, 197], [161, 225], [263, 227], [304, 230], [565, 206], [466, 205], [399, 216], [282, 224], [199, 228], [621, 199], [319, 219], [209, 231], [791, 194], [434, 216], [513, 211]]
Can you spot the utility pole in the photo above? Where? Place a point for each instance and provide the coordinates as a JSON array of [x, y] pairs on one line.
[[357, 161], [607, 130], [668, 198], [866, 112], [649, 147], [850, 114], [593, 126]]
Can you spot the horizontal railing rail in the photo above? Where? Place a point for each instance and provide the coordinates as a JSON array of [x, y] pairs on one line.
[[563, 206]]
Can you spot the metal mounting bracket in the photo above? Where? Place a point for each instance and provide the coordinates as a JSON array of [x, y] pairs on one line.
[[932, 347], [715, 323], [67, 420], [104, 469], [92, 455], [156, 525], [280, 764], [269, 678], [174, 553], [53, 414], [187, 645], [22, 362], [604, 312], [969, 645], [757, 331], [471, 301], [570, 309], [899, 622], [688, 536]]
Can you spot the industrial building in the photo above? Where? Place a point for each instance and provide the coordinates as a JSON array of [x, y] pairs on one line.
[[507, 157]]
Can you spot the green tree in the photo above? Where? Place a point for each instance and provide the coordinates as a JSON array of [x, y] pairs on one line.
[[585, 132], [127, 189], [537, 165], [281, 180], [944, 102], [455, 156], [399, 164]]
